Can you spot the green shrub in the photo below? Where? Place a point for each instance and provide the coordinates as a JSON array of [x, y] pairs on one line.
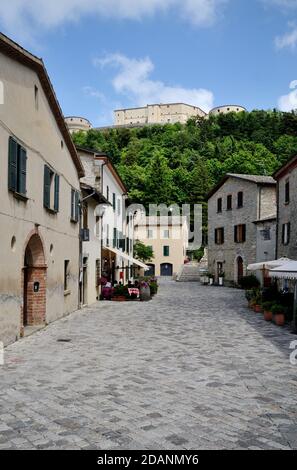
[[249, 282], [267, 306], [277, 308]]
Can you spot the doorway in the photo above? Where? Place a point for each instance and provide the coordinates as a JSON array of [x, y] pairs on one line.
[[239, 269], [166, 269], [34, 283]]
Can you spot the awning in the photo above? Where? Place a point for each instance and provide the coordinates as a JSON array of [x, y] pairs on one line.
[[127, 257], [267, 264], [287, 270]]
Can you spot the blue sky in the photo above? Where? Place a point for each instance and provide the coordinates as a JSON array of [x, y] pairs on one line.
[[106, 54]]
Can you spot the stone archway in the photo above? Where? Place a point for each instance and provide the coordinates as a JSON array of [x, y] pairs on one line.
[[34, 283]]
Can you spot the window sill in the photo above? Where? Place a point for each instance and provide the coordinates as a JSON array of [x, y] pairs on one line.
[[51, 211], [286, 203], [67, 292], [73, 221], [20, 197]]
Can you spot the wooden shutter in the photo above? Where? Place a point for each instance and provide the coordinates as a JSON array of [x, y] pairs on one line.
[[76, 206], [289, 233], [243, 233], [22, 171], [47, 187], [115, 238], [216, 236], [12, 164], [222, 236], [57, 193]]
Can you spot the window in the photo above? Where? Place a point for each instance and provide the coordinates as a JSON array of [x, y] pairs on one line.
[[66, 274], [240, 233], [51, 189], [266, 234], [74, 205], [219, 205], [287, 192], [240, 199], [166, 250], [286, 232], [115, 238], [36, 96], [166, 233], [17, 167], [149, 233], [85, 216], [229, 202], [219, 236]]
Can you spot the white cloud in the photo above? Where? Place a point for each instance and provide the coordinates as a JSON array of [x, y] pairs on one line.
[[132, 79], [25, 16], [289, 102], [289, 39]]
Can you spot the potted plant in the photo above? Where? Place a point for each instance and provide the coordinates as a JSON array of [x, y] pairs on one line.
[[258, 301], [153, 286], [267, 307], [221, 279], [210, 279], [279, 313], [249, 297], [120, 293], [145, 291]]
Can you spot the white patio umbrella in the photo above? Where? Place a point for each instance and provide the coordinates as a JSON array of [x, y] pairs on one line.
[[288, 271], [265, 265]]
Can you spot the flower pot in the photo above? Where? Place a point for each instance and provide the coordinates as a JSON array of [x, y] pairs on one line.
[[268, 315], [221, 281], [258, 308], [210, 281], [119, 298], [279, 319]]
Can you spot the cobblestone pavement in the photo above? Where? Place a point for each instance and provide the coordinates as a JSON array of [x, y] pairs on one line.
[[192, 369]]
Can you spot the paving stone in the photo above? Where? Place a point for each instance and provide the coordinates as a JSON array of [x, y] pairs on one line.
[[192, 369]]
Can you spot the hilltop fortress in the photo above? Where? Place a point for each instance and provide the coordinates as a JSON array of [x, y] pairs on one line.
[[151, 114]]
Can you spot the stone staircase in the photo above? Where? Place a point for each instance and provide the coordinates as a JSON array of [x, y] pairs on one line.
[[189, 273], [192, 271]]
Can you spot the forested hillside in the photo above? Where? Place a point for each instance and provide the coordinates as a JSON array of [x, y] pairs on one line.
[[178, 163]]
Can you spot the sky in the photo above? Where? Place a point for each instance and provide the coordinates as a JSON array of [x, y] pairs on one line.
[[103, 55]]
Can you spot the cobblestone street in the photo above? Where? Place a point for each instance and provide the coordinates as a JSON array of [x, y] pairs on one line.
[[192, 369]]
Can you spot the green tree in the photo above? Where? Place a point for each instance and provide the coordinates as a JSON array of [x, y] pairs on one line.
[[143, 252]]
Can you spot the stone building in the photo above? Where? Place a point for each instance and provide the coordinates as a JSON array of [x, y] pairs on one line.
[[168, 237], [77, 123], [241, 224], [39, 191], [157, 114], [287, 210]]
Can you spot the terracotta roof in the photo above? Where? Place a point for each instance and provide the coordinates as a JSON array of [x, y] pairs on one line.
[[256, 179], [19, 54]]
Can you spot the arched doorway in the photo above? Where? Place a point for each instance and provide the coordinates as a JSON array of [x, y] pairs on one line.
[[166, 269], [239, 269], [34, 283]]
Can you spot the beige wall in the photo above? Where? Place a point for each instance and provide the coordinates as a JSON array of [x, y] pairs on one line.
[[177, 242], [37, 131], [157, 114]]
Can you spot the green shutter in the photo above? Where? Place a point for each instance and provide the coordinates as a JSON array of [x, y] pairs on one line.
[[114, 201], [166, 251], [76, 206], [115, 233], [22, 171], [47, 187], [57, 192], [12, 164]]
